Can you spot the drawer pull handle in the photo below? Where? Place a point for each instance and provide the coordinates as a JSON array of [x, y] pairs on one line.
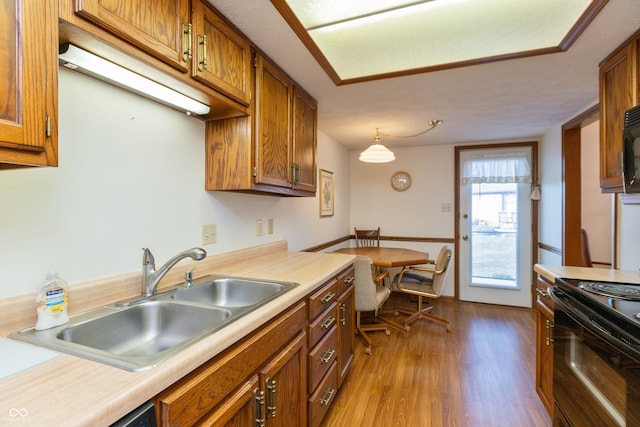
[[271, 397], [327, 396], [343, 314], [349, 280], [327, 356], [328, 322], [542, 292], [328, 297], [260, 416]]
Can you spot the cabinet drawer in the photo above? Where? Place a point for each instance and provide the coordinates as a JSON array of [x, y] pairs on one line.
[[321, 357], [322, 398], [322, 298], [323, 324], [345, 280]]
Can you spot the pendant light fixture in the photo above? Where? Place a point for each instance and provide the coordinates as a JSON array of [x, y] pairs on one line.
[[378, 153]]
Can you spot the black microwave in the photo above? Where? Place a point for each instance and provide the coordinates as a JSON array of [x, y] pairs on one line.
[[631, 151]]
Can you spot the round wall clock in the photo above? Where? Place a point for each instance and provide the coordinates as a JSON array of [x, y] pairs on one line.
[[400, 181]]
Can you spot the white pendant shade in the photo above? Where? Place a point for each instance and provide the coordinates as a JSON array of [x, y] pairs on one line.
[[377, 153]]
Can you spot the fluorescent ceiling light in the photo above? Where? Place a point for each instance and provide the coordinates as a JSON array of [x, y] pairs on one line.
[[78, 59], [362, 39]]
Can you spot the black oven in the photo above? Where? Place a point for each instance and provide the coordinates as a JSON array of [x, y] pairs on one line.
[[596, 365]]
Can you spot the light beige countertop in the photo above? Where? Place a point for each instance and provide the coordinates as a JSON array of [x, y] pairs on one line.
[[72, 391], [550, 272]]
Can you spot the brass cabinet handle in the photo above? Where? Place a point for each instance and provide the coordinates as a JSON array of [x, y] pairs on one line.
[[349, 280], [549, 331], [343, 314], [187, 51], [542, 292], [327, 356], [202, 52], [328, 322], [260, 415], [328, 297], [271, 397], [327, 396]]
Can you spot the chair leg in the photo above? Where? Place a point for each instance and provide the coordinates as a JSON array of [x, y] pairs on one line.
[[424, 313], [402, 328], [362, 329]]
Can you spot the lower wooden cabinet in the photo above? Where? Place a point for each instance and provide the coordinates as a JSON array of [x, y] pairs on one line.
[[330, 338], [238, 384], [544, 345], [286, 374]]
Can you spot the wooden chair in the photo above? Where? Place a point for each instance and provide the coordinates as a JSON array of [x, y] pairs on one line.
[[367, 238], [370, 294], [424, 282]]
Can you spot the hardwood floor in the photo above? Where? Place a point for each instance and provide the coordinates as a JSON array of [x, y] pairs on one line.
[[482, 373]]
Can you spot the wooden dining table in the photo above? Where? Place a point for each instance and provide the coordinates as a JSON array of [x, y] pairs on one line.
[[389, 257]]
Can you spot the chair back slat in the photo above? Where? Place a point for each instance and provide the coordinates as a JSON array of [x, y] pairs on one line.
[[367, 238]]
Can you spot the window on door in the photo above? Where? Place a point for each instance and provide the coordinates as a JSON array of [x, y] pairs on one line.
[[494, 243]]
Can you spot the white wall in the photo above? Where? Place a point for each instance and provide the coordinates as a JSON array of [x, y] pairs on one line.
[[131, 175], [628, 237], [415, 212], [596, 206], [550, 205]]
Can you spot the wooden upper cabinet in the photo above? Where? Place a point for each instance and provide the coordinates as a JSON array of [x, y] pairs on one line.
[[154, 26], [221, 55], [304, 143], [618, 93], [28, 83], [273, 151], [272, 125]]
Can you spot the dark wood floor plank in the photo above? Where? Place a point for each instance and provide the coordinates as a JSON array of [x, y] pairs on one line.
[[479, 374]]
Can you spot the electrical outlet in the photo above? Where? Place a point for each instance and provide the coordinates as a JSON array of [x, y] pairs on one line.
[[208, 234], [445, 207], [270, 226], [259, 228]]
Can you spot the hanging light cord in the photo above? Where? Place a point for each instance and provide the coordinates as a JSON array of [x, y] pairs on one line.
[[432, 124]]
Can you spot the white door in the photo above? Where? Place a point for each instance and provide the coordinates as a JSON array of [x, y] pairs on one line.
[[495, 259]]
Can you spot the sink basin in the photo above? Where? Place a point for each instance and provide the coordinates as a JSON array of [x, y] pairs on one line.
[[139, 334], [231, 292], [144, 329]]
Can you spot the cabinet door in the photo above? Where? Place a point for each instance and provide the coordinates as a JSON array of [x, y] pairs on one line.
[[304, 140], [154, 26], [28, 83], [239, 409], [221, 56], [283, 380], [346, 330], [617, 94], [544, 355], [272, 115]]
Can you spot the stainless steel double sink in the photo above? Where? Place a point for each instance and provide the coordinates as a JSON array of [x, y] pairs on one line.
[[139, 334]]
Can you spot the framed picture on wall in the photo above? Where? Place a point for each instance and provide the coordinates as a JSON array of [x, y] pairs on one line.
[[326, 193]]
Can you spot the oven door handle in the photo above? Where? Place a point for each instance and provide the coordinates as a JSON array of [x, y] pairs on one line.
[[595, 323]]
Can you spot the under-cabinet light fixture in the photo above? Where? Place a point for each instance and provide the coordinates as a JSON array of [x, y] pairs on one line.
[[74, 58]]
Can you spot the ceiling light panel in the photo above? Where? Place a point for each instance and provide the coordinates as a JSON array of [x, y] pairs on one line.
[[380, 36]]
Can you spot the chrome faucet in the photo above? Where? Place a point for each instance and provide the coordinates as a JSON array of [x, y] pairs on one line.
[[151, 277]]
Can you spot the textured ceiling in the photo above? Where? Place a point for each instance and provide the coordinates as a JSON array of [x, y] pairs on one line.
[[516, 99]]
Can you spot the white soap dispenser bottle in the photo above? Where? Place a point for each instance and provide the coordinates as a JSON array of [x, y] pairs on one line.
[[51, 302]]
